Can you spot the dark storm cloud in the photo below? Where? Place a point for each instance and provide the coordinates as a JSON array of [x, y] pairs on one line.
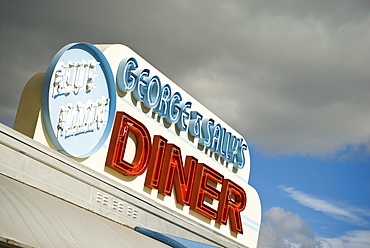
[[293, 76]]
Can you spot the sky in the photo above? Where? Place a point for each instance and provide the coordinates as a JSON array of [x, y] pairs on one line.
[[293, 77]]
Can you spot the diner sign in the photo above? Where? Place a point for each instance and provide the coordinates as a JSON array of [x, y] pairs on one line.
[[111, 110]]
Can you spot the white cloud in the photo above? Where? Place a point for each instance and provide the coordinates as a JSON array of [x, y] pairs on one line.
[[348, 214], [283, 229], [352, 239]]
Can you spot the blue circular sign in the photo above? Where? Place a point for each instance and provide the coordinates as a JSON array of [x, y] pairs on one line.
[[78, 100]]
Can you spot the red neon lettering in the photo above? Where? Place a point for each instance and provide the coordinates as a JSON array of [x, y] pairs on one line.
[[165, 172], [184, 179], [202, 189], [123, 125], [155, 163], [232, 201]]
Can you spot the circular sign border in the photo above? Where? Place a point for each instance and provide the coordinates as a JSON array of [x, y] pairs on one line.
[[104, 64]]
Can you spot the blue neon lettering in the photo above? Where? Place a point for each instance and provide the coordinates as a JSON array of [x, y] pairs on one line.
[[170, 106], [240, 157], [162, 106], [223, 143], [230, 148], [174, 109], [194, 123], [126, 78], [141, 87], [233, 148], [184, 116], [207, 125], [153, 94], [215, 141]]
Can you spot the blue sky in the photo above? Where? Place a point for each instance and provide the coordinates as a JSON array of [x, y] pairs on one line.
[[330, 194], [291, 76]]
